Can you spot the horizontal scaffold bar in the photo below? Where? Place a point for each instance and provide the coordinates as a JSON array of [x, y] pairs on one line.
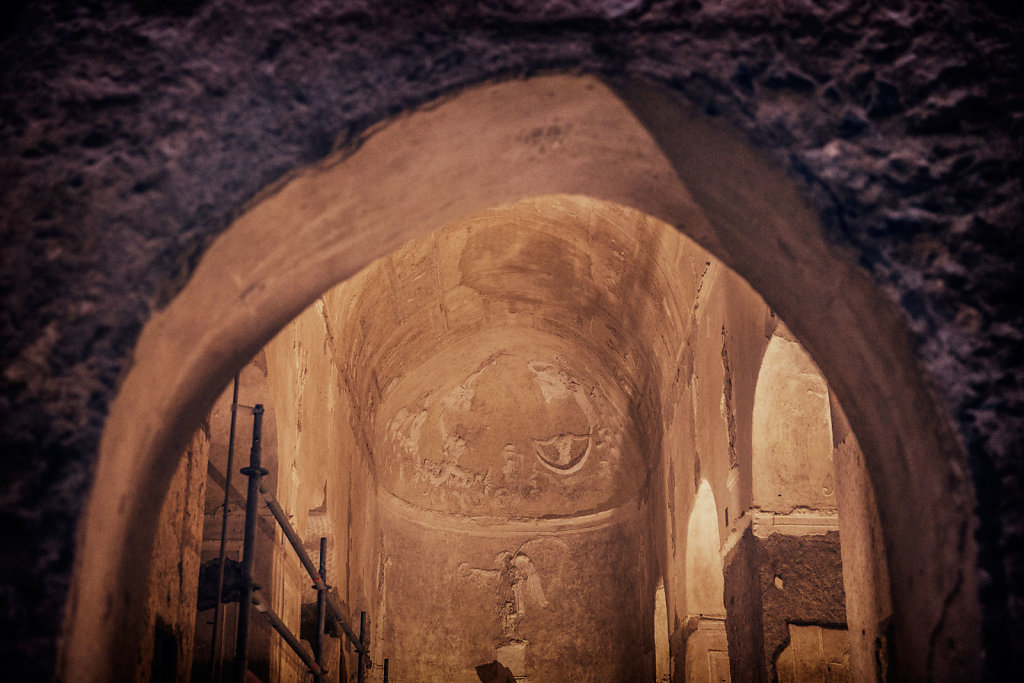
[[333, 604]]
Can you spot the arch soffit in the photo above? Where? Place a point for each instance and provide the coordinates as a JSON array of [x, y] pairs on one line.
[[704, 578], [791, 431], [632, 143]]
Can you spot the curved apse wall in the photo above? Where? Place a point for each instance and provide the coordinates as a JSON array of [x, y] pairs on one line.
[[541, 393], [506, 377]]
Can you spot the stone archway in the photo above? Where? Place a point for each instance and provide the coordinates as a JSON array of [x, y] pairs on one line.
[[630, 143]]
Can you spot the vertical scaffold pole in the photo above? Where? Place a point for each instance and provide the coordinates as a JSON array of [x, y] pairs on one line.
[[255, 472], [364, 656], [216, 657], [321, 605]]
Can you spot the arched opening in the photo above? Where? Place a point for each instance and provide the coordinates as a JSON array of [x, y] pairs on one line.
[[794, 552], [792, 445], [707, 657], [632, 144], [704, 561], [822, 609], [704, 581]]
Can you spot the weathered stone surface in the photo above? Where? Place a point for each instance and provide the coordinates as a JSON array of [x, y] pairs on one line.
[[772, 582], [801, 583], [132, 132], [174, 597], [743, 601], [548, 606]]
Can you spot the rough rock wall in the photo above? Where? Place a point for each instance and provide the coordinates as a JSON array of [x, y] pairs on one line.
[[743, 600], [132, 131], [773, 582], [801, 583]]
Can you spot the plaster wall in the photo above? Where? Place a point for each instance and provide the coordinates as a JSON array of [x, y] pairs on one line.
[[326, 480], [704, 584], [171, 604], [264, 646], [707, 652], [865, 572], [792, 449], [506, 376], [707, 417], [744, 621], [318, 475], [565, 601], [508, 368], [785, 574], [815, 654]]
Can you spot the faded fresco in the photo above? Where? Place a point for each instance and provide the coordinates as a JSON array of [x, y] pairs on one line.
[[515, 436]]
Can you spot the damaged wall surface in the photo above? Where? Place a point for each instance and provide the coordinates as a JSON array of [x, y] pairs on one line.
[[509, 408], [537, 466]]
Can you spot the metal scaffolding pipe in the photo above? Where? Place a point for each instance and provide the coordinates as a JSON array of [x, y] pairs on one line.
[[361, 653], [321, 605], [216, 669], [333, 604], [255, 472], [300, 648]]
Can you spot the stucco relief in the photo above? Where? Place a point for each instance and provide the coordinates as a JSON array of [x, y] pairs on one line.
[[518, 583], [564, 452], [515, 437]]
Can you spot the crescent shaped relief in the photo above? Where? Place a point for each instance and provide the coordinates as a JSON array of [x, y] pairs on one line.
[[563, 453]]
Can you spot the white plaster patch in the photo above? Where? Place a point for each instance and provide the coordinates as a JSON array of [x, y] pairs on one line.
[[552, 383], [405, 429]]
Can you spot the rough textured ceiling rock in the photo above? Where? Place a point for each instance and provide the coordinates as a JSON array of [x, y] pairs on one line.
[[132, 132]]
